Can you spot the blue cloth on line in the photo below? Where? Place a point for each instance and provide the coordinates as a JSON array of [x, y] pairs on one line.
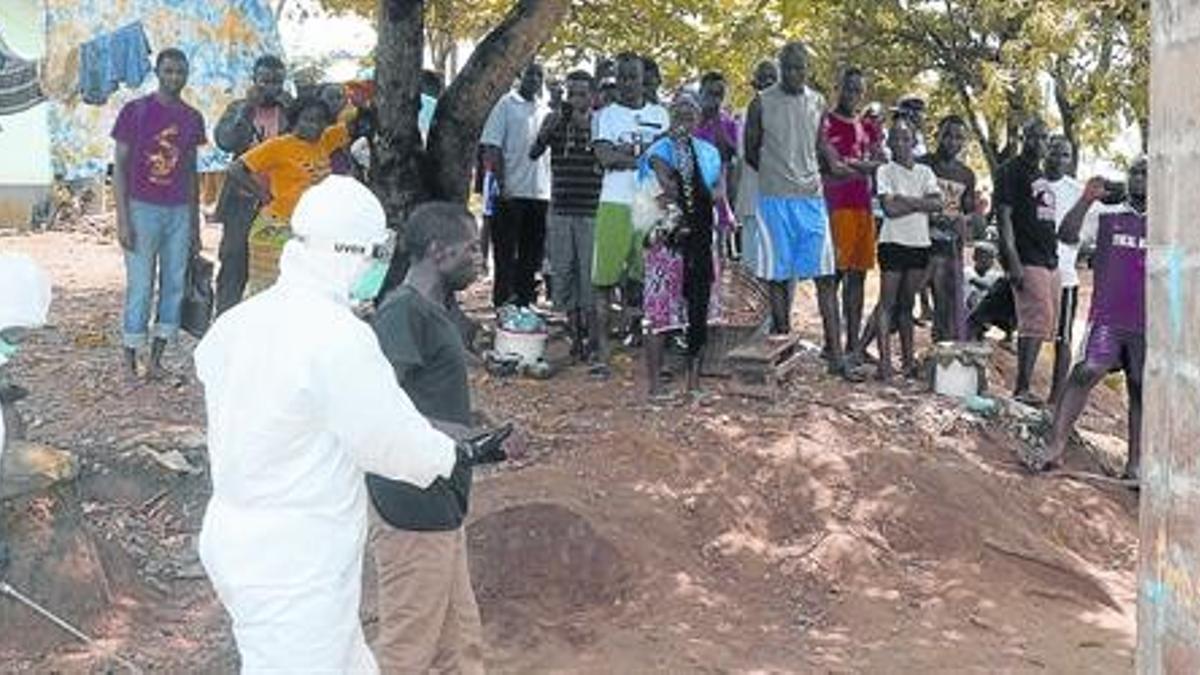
[[107, 60]]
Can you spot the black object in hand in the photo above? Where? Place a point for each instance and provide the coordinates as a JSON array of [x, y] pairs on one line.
[[486, 448], [365, 123]]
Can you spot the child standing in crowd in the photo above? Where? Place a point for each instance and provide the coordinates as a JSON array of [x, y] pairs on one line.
[[909, 192], [158, 209], [950, 229]]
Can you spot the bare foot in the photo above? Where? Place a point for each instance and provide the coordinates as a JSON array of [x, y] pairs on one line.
[[1050, 458]]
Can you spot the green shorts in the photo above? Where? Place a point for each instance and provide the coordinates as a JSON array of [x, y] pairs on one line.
[[617, 253]]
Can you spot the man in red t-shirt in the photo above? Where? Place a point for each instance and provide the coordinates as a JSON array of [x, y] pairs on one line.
[[848, 196]]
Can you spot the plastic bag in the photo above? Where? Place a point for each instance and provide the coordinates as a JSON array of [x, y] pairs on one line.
[[646, 213], [24, 291], [198, 297]]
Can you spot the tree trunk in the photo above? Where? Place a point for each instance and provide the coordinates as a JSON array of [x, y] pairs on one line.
[[986, 144], [440, 47], [1069, 114], [489, 73], [396, 155]]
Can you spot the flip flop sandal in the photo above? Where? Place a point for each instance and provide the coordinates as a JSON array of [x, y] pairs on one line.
[[662, 398], [1030, 400], [853, 376]]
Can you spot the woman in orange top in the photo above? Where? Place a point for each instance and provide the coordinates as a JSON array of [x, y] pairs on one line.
[[294, 161], [290, 163]]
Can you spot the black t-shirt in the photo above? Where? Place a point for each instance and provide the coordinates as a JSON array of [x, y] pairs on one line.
[[957, 183], [1020, 185], [426, 350]]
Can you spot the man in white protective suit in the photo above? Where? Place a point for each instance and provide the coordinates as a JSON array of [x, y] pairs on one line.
[[301, 404], [24, 302]]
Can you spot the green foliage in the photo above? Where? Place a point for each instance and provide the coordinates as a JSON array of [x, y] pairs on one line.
[[992, 61]]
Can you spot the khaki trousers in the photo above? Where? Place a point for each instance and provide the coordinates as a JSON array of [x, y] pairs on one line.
[[428, 619]]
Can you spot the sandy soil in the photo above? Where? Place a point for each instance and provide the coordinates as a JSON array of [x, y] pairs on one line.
[[839, 528]]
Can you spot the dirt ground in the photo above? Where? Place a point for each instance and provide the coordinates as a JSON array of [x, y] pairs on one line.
[[841, 528]]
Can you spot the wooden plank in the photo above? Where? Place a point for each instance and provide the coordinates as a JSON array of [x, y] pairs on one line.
[[771, 349]]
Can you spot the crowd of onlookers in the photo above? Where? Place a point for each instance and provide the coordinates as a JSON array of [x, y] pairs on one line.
[[636, 203], [622, 206], [639, 202]]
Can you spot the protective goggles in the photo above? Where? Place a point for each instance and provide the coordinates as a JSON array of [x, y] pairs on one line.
[[378, 251]]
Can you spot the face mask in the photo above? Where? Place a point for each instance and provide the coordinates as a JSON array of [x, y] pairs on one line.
[[7, 351], [370, 282]]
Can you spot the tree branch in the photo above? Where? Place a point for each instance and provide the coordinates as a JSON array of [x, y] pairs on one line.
[[489, 73]]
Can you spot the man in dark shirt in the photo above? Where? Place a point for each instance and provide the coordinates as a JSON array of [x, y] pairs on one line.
[[949, 229], [246, 123], [428, 618], [1029, 250], [575, 180]]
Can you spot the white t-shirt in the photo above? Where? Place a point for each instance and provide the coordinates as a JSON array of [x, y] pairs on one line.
[[1066, 192], [513, 126], [618, 124], [919, 181]]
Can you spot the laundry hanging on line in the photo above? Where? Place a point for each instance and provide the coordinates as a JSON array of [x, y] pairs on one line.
[[106, 61]]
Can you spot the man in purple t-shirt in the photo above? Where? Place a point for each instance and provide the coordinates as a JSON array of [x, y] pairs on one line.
[[1117, 333], [721, 129], [158, 216]]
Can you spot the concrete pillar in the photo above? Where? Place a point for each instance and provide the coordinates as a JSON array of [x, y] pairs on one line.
[[1169, 574]]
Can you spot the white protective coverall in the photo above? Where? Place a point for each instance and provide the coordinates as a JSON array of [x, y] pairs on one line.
[[301, 403], [24, 300]]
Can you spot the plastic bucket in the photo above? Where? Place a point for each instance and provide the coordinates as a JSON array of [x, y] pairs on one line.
[[529, 347]]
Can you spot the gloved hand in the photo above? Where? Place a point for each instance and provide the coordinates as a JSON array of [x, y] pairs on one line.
[[487, 448]]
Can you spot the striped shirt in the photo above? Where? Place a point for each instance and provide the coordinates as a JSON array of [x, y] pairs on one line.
[[575, 175]]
